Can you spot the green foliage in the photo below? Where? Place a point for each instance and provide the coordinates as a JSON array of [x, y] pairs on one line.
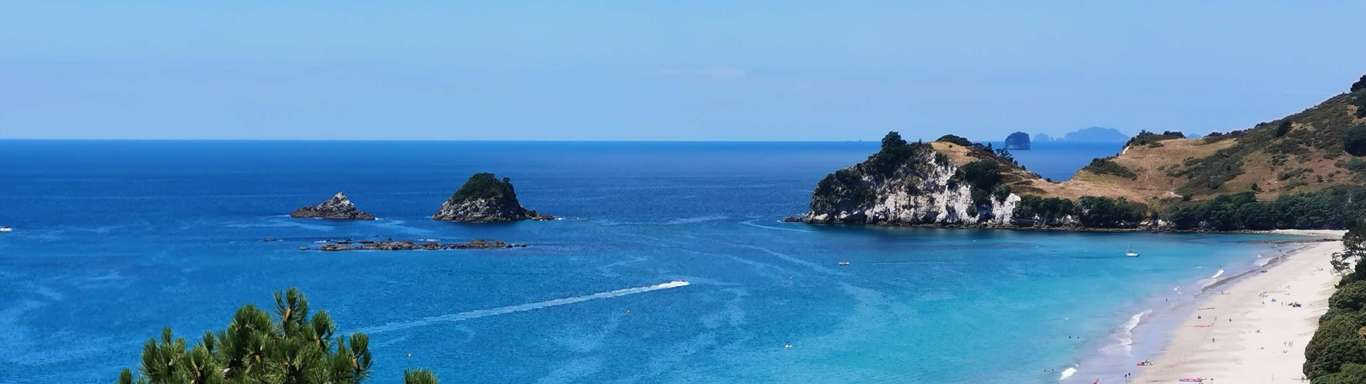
[[1042, 211], [1225, 212], [1152, 139], [956, 140], [1337, 351], [1350, 297], [894, 153], [1105, 212], [1000, 192], [1336, 325], [1283, 128], [1359, 85], [1336, 207], [298, 349], [1354, 140], [1360, 102], [892, 140], [1353, 251], [1351, 373], [1106, 166], [419, 376], [1356, 165], [485, 185], [1208, 174], [983, 176], [844, 185]]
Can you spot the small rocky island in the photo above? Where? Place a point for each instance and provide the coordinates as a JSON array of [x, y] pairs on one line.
[[485, 199], [914, 184], [1018, 141], [339, 207], [411, 245]]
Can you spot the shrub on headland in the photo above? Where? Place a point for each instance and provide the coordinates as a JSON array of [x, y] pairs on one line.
[[1105, 212], [1088, 211], [297, 349], [1042, 211], [1336, 207], [1354, 140], [1107, 166], [1152, 139], [983, 176], [955, 139]]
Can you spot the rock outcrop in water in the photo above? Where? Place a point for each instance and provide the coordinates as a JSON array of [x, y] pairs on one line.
[[411, 245], [339, 207], [911, 184], [485, 199]]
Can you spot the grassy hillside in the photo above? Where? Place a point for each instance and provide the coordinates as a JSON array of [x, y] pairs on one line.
[[1306, 170], [1301, 153]]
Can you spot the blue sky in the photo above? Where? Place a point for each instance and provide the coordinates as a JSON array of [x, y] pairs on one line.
[[703, 70]]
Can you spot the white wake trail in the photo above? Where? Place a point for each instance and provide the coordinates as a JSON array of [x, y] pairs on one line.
[[475, 314]]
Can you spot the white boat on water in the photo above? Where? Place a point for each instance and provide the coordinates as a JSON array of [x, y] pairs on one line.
[[6, 229], [1131, 253]]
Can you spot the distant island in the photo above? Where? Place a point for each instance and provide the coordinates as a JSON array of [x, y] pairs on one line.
[[485, 199], [1018, 141], [1086, 135], [1306, 170]]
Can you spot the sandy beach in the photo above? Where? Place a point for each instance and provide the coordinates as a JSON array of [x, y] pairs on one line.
[[1249, 331]]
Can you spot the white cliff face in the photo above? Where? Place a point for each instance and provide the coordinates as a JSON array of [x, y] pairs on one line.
[[924, 193], [1001, 212], [478, 210]]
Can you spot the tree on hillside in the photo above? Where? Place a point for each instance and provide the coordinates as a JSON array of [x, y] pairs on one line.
[[298, 349], [892, 140], [1354, 140], [1353, 252]]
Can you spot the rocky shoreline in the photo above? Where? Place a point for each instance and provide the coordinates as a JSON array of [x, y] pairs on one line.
[[408, 245]]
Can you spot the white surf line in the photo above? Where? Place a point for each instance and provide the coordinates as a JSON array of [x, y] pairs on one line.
[[475, 314], [753, 224], [794, 260]]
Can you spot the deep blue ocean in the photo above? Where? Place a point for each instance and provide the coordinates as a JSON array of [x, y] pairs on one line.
[[114, 240]]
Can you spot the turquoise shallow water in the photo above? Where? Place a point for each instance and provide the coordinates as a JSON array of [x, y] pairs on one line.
[[114, 240]]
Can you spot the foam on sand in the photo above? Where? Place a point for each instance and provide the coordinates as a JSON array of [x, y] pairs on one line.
[[475, 314], [1126, 335], [1212, 280], [1066, 373]]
